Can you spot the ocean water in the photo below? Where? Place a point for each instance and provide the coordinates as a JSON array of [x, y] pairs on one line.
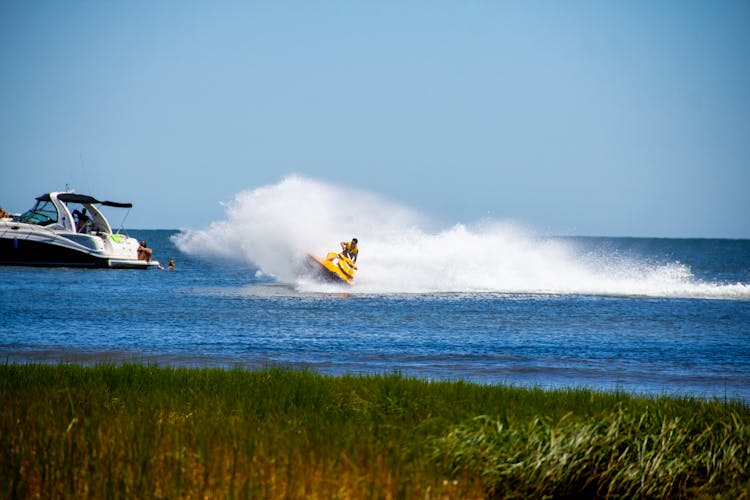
[[488, 302]]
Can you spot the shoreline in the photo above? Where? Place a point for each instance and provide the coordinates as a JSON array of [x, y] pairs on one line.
[[21, 355]]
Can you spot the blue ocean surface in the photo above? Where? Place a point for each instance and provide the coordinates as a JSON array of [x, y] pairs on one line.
[[685, 335]]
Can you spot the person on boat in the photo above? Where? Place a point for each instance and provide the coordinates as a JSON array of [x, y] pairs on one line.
[[144, 252], [171, 265], [82, 221], [350, 249]]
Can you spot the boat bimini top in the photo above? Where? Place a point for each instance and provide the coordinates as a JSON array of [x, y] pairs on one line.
[[51, 210]]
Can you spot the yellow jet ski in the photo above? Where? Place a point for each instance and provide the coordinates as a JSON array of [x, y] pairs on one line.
[[336, 267]]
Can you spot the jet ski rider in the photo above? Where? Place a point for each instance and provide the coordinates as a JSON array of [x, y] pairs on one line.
[[350, 249]]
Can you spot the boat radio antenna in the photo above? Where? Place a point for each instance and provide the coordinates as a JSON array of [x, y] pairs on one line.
[[122, 224]]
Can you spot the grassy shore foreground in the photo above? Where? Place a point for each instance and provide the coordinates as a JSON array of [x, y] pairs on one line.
[[136, 431]]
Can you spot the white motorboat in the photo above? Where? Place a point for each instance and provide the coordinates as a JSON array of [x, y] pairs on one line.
[[67, 229]]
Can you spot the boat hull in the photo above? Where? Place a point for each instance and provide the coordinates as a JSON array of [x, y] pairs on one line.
[[29, 252], [23, 252]]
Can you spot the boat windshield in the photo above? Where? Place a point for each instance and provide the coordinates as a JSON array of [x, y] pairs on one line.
[[43, 214]]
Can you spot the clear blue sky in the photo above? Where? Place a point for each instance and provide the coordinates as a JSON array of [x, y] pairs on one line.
[[594, 118]]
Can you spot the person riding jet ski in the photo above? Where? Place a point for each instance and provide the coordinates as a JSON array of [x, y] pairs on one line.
[[350, 249]]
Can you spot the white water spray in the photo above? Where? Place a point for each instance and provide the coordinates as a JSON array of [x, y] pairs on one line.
[[273, 227]]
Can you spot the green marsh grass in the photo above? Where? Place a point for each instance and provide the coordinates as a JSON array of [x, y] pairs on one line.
[[136, 431]]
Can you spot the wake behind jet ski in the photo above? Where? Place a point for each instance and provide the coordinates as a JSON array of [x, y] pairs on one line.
[[337, 267]]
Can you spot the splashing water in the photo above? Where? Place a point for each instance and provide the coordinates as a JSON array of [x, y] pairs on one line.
[[273, 227]]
